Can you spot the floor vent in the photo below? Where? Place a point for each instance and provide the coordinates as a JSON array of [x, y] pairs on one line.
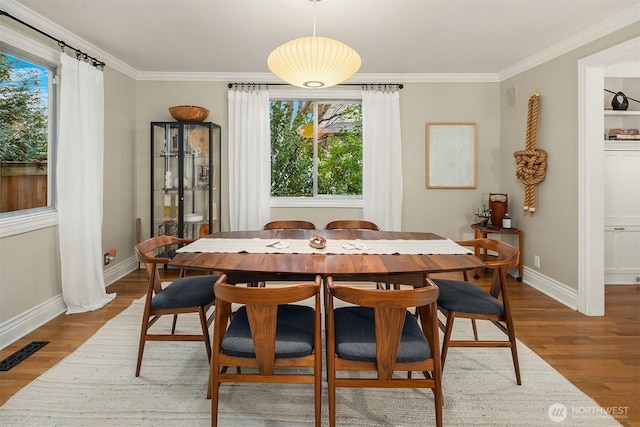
[[21, 354]]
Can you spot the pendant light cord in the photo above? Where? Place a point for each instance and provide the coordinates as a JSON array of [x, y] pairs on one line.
[[314, 17]]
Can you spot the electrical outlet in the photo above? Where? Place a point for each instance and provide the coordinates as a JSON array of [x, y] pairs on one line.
[[536, 261], [109, 256]]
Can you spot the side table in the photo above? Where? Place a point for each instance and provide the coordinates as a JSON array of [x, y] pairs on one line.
[[480, 231]]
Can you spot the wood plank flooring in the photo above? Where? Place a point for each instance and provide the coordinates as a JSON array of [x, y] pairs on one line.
[[600, 355]]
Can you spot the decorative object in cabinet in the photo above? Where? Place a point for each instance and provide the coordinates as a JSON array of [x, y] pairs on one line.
[[185, 177]]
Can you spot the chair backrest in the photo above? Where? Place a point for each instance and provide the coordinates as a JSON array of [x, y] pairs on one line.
[[505, 256], [390, 309], [289, 225], [351, 224], [262, 310], [146, 254]]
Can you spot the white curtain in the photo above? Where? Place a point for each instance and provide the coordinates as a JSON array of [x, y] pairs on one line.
[[79, 179], [249, 159], [382, 155]]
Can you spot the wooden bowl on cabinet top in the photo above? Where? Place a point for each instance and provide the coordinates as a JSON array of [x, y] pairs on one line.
[[188, 113]]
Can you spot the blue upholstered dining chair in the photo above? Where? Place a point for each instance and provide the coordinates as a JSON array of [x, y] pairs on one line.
[[465, 299], [377, 333], [269, 338], [193, 294]]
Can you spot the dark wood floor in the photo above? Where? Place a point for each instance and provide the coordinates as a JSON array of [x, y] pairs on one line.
[[600, 355]]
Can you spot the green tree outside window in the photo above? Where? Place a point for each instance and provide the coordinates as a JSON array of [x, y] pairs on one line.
[[296, 126]]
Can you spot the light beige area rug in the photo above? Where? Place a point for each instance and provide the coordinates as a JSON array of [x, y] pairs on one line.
[[96, 386]]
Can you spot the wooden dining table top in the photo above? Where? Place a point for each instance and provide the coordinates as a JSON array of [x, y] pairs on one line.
[[241, 267]]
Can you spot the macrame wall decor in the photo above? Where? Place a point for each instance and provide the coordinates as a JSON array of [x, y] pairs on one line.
[[531, 163]]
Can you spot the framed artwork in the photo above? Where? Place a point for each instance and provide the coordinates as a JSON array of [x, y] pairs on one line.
[[451, 155]]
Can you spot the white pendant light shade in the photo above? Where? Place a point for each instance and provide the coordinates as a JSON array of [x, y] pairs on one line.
[[314, 62]]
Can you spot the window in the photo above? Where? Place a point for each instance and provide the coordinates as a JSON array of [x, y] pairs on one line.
[[27, 123], [316, 148]]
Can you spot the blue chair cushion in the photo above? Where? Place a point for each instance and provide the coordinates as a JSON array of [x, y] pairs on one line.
[[295, 327], [356, 336], [185, 292], [465, 297]]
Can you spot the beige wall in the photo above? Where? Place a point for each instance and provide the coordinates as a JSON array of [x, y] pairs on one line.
[[29, 271], [153, 100], [448, 213], [552, 231], [441, 211], [118, 221]]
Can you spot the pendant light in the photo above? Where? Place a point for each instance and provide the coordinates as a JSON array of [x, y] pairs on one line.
[[314, 62]]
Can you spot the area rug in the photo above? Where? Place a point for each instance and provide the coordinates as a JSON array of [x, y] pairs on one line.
[[96, 386]]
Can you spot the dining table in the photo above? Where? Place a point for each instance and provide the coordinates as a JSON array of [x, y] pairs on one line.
[[363, 255]]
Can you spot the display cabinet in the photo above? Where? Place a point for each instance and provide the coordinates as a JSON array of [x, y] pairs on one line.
[[185, 178]]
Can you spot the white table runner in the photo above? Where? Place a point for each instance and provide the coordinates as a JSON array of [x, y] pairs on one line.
[[301, 246]]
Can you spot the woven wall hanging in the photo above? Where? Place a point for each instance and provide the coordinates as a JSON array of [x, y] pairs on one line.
[[531, 163]]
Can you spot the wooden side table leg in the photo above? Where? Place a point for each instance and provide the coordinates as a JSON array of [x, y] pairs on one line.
[[520, 255], [477, 234]]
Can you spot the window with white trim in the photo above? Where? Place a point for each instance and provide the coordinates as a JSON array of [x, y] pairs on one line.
[[316, 147], [27, 129]]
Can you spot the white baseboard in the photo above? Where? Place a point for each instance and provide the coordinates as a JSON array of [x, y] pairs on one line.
[[14, 329], [24, 323], [550, 287], [118, 271]]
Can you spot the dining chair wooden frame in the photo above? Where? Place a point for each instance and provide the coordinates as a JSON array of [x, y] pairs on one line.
[[183, 295], [203, 231], [289, 225], [273, 344], [386, 313], [465, 299], [351, 224]]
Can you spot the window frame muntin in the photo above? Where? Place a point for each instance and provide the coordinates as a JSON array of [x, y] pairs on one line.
[[319, 200], [26, 220]]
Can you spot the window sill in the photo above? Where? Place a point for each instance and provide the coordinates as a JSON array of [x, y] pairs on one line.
[[315, 202], [24, 223]]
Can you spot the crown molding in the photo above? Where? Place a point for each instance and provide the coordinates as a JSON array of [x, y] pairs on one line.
[[357, 78], [628, 17], [608, 26], [42, 23]]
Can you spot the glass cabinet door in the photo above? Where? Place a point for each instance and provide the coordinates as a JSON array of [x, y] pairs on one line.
[[184, 178]]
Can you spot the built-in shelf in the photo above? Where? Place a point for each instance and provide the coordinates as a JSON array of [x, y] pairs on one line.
[[612, 145], [621, 113]]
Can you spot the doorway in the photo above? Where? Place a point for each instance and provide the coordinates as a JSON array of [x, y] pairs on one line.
[[591, 74]]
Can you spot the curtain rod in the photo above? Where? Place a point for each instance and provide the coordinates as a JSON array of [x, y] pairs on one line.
[[79, 54], [399, 85]]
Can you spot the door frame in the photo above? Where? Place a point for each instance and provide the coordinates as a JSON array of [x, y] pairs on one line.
[[591, 73]]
